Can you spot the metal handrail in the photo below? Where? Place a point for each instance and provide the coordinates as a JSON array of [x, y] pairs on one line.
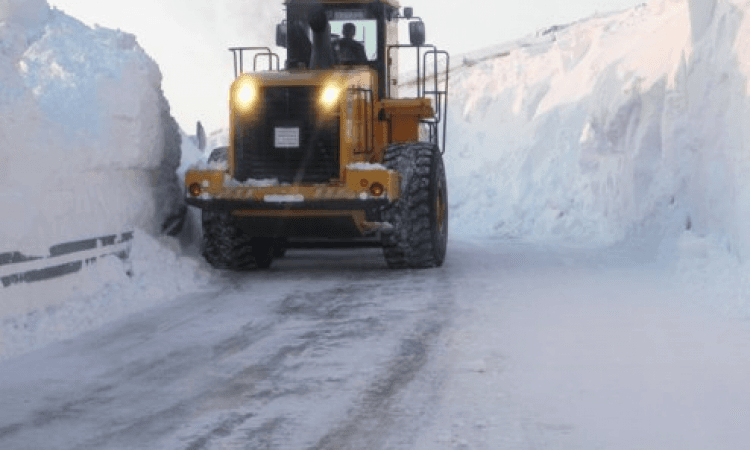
[[440, 95], [237, 53]]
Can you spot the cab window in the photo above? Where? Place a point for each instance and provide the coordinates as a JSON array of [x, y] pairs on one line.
[[366, 34]]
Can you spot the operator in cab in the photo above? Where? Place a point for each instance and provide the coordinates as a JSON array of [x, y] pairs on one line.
[[349, 50]]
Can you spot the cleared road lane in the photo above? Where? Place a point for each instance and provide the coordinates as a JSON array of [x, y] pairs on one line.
[[508, 346]]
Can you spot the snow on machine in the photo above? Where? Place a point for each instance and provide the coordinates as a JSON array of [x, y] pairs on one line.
[[324, 150]]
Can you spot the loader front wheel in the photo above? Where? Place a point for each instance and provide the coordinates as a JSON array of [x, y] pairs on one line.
[[224, 245], [419, 218]]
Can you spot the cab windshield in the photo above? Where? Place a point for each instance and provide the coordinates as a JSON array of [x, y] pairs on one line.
[[365, 34], [354, 36], [365, 29]]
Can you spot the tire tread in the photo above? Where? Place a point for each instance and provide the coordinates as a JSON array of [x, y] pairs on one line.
[[412, 243]]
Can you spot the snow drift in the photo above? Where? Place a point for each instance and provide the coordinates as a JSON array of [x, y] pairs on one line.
[[88, 148], [87, 135], [616, 125]]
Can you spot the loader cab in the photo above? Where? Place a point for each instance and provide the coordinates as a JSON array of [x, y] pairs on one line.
[[375, 24]]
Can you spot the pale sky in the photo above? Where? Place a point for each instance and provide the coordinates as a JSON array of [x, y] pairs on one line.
[[189, 39]]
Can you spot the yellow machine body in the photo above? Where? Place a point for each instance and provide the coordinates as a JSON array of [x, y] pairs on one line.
[[356, 104], [366, 129]]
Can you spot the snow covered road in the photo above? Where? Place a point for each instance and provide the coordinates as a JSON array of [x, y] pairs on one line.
[[297, 357], [508, 346]]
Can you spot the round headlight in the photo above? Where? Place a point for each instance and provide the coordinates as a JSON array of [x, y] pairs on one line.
[[245, 95], [330, 96]]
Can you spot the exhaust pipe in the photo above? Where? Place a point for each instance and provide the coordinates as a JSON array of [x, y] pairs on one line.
[[322, 56]]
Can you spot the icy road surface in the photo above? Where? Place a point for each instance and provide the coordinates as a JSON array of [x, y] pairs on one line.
[[508, 346]]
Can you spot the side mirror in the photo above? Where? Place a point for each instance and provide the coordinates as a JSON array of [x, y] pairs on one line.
[[281, 34], [408, 12], [416, 33]]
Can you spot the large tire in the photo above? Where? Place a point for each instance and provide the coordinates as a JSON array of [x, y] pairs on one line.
[[224, 245], [419, 237]]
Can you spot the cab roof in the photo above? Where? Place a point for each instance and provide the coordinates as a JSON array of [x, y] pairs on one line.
[[392, 3]]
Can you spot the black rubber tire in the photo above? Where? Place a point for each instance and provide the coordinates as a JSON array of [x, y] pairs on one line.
[[419, 237], [224, 245]]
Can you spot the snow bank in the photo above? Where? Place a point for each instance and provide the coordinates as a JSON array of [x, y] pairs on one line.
[[37, 314], [612, 126], [701, 14], [88, 148], [189, 41], [28, 13], [87, 136]]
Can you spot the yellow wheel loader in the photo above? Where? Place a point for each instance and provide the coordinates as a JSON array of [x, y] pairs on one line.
[[324, 152]]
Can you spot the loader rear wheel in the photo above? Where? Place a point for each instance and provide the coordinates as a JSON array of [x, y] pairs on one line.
[[419, 218], [224, 245]]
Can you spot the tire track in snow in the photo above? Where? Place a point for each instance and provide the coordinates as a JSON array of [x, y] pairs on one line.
[[373, 420]]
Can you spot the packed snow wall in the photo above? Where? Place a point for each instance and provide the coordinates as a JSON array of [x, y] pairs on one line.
[[617, 125], [88, 148]]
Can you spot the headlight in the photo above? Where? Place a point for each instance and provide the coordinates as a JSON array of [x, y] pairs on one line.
[[330, 97], [245, 95]]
